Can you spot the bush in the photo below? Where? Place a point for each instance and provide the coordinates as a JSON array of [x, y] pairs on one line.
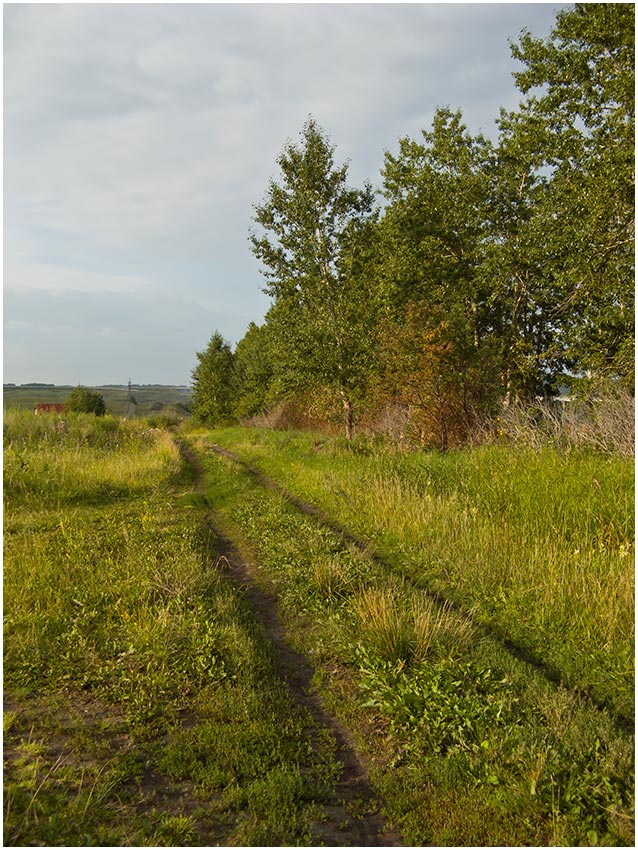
[[83, 400], [605, 423]]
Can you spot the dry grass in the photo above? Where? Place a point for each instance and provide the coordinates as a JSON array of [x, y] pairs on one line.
[[408, 626]]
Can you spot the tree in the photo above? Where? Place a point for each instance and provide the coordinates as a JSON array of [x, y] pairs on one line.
[[213, 382], [577, 123], [445, 387], [255, 371], [83, 400], [313, 244], [528, 326], [435, 232]]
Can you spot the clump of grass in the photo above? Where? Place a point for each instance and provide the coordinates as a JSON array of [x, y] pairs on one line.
[[333, 579], [384, 626], [408, 627]]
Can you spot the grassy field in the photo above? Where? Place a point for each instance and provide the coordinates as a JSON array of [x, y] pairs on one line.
[[144, 697], [540, 544], [152, 400], [471, 745], [141, 700]]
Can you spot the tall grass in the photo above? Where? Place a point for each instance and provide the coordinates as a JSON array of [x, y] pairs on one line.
[[539, 540], [144, 700]]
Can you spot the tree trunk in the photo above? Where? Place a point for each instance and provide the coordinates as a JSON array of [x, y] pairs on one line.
[[348, 414]]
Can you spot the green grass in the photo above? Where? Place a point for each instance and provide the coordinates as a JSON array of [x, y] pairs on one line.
[[470, 746], [143, 705], [539, 543]]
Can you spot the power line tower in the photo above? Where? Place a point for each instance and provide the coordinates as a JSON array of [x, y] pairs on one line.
[[132, 403]]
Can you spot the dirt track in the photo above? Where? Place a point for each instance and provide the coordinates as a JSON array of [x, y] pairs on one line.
[[353, 791]]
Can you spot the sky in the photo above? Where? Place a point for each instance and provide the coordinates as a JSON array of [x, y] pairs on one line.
[[139, 137]]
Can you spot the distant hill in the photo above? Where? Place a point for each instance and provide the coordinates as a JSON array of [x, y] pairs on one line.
[[173, 400]]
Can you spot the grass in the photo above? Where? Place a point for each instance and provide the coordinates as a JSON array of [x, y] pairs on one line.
[[142, 702], [470, 746], [540, 544]]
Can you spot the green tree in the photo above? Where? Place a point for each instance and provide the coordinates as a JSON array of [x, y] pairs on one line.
[[434, 237], [435, 225], [82, 400], [255, 371], [313, 246], [213, 382], [527, 324], [577, 125]]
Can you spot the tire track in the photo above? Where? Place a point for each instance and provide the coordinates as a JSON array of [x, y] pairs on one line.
[[353, 790], [521, 653]]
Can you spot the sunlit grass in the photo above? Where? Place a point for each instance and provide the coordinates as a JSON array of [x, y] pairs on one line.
[[539, 543], [113, 604], [444, 710]]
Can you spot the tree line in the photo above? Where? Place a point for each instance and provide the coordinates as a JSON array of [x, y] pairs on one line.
[[479, 274]]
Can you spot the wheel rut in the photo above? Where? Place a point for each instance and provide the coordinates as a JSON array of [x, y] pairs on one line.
[[523, 654], [353, 792]]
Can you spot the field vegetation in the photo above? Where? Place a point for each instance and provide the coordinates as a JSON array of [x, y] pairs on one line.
[[538, 542], [486, 657], [466, 619], [141, 701]]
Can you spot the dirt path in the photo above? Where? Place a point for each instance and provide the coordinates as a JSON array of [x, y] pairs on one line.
[[353, 793], [521, 653]]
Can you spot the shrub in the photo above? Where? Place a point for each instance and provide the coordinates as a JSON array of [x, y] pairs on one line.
[[83, 400]]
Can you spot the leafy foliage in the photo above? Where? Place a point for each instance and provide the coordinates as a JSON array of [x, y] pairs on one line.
[[83, 400], [212, 382], [315, 230], [495, 273]]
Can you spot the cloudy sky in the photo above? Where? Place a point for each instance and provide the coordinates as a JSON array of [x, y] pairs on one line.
[[138, 138]]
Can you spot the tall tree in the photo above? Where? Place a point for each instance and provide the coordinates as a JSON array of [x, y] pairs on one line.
[[312, 244], [528, 327], [434, 236], [255, 371], [578, 123], [213, 382]]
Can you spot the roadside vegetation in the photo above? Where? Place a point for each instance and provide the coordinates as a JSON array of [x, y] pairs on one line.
[[477, 275], [471, 744], [481, 666], [539, 543]]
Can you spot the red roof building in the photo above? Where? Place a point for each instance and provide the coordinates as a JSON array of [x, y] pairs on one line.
[[49, 408]]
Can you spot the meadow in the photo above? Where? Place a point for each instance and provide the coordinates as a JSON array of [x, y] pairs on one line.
[[540, 543], [466, 618], [141, 700], [480, 633]]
